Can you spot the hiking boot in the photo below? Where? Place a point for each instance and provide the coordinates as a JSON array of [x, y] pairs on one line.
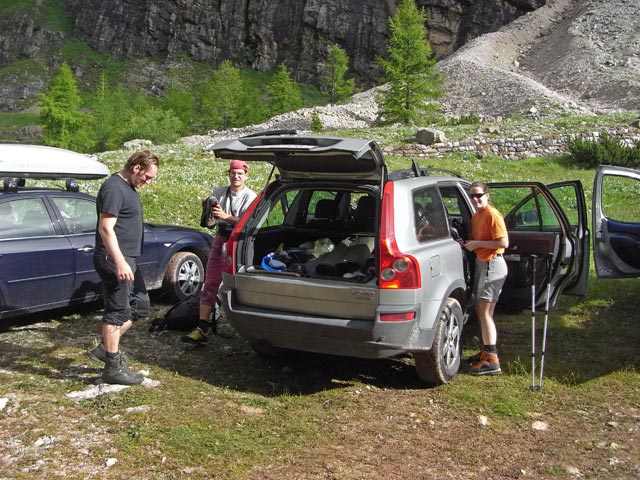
[[198, 336], [98, 354], [117, 372], [487, 365], [473, 359]]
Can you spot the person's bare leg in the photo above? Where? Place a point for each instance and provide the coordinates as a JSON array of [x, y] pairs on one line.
[[485, 312], [111, 335], [205, 312]]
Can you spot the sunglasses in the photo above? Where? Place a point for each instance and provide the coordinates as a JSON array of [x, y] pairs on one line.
[[477, 195]]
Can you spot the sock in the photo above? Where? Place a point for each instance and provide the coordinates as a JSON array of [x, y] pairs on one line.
[[111, 354], [204, 325], [491, 349]]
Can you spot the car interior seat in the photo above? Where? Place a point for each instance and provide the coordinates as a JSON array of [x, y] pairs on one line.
[[325, 214], [365, 214]]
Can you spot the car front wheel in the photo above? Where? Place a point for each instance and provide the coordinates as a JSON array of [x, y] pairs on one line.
[[184, 275], [440, 364]]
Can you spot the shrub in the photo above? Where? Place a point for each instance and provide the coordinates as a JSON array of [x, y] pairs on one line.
[[471, 119], [606, 151]]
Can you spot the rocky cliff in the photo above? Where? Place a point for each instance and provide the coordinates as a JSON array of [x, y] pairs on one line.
[[252, 33], [261, 34]]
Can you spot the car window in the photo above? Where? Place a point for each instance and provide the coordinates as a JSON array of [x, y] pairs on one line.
[[525, 209], [8, 220], [621, 199], [429, 215], [25, 217], [458, 212], [78, 214]]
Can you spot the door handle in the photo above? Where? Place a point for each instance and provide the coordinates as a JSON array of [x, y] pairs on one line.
[[86, 249]]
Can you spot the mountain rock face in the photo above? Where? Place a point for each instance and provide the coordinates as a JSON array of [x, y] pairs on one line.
[[262, 34], [259, 34]]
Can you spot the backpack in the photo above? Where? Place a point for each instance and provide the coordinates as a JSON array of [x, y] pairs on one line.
[[183, 316]]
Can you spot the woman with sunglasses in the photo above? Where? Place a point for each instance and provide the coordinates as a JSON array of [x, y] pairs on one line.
[[489, 240]]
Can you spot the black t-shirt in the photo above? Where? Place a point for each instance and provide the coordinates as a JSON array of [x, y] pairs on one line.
[[117, 197]]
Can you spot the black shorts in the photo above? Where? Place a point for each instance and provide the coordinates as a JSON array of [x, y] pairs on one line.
[[123, 300]]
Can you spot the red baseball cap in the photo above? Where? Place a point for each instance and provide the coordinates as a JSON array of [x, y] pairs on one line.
[[238, 164]]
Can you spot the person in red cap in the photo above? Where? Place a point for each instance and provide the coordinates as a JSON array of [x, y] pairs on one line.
[[233, 201]]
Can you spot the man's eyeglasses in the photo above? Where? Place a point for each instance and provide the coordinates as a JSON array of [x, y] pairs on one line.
[[477, 195]]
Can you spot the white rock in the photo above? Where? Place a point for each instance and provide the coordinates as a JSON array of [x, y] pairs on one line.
[[483, 420], [541, 426]]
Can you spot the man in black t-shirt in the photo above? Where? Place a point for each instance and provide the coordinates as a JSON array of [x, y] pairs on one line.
[[119, 239]]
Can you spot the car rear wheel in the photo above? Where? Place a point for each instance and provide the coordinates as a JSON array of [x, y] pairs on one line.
[[440, 364], [184, 275]]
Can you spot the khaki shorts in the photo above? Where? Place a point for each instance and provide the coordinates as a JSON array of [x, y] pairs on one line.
[[489, 279]]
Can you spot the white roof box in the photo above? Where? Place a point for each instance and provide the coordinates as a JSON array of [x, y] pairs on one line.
[[36, 161]]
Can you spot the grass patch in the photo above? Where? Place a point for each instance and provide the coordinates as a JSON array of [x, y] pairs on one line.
[[223, 412]]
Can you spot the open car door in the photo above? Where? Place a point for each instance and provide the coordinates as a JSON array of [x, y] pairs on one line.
[[548, 241], [616, 222]]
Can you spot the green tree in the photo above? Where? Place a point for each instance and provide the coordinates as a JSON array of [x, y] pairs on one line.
[[180, 100], [284, 93], [110, 113], [60, 114], [224, 97], [334, 82], [316, 123], [152, 123], [410, 70]]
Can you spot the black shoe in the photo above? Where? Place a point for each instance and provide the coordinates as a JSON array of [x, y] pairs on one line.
[[117, 372], [98, 354]]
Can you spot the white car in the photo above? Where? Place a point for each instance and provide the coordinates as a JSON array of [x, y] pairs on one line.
[[333, 257]]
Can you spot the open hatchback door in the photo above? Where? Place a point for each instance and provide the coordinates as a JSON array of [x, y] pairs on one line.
[[308, 158], [616, 222], [548, 240]]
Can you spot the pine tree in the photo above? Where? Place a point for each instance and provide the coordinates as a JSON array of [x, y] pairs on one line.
[[60, 113], [224, 97], [284, 93], [334, 82], [316, 123], [410, 70]]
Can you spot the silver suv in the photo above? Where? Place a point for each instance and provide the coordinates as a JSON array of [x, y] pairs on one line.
[[340, 256]]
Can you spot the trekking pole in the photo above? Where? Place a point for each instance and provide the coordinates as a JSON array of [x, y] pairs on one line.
[[546, 320], [532, 259]]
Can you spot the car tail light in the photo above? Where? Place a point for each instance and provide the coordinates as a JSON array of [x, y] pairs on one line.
[[397, 317], [229, 248], [397, 270]]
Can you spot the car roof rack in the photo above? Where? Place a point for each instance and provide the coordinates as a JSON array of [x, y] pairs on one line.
[[417, 171], [11, 185]]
